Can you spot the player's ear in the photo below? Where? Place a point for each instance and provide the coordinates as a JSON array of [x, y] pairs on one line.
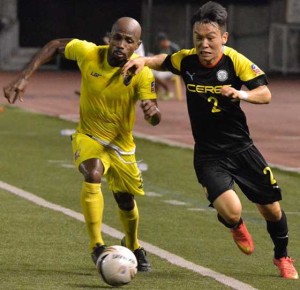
[[138, 43], [224, 37]]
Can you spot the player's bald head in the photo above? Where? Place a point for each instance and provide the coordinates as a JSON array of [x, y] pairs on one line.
[[129, 26]]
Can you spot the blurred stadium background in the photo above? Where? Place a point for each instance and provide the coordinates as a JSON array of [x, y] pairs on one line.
[[267, 31]]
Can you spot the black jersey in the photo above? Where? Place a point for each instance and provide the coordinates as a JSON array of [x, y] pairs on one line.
[[218, 123]]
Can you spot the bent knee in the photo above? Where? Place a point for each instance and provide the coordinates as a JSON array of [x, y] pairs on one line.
[[233, 218], [92, 170], [271, 212], [93, 176], [125, 201], [228, 205]]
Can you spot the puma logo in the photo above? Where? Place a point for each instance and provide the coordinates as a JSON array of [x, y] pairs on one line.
[[190, 75]]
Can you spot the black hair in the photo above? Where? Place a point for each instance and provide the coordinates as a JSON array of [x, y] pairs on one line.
[[211, 12]]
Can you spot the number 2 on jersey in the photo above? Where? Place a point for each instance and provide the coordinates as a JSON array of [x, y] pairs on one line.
[[215, 108]]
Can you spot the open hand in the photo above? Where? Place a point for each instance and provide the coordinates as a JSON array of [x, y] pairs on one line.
[[133, 66], [151, 112], [15, 90]]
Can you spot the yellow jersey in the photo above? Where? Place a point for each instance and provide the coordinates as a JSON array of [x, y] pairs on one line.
[[107, 106]]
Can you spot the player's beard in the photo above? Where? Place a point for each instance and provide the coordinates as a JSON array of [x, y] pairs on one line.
[[116, 59]]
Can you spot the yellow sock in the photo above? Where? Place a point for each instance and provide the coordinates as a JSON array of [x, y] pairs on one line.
[[130, 221], [92, 206]]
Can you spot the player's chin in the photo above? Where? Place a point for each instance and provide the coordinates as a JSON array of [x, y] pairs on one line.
[[206, 57], [120, 61], [119, 57]]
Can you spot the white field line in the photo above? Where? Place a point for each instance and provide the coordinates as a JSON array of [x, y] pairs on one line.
[[171, 258]]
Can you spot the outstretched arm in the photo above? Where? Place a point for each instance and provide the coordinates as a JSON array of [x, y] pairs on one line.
[[17, 87], [136, 65]]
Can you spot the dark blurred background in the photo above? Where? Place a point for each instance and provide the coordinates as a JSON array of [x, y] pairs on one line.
[[267, 31], [43, 20]]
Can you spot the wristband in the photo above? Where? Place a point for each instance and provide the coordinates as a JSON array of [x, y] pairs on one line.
[[244, 95]]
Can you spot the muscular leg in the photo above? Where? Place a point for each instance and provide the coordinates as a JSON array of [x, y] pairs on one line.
[[229, 208], [92, 199], [271, 212], [129, 217]]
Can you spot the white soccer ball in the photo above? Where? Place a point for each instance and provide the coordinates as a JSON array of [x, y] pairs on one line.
[[117, 265]]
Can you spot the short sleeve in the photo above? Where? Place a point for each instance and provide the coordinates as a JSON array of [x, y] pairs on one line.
[[77, 49], [173, 61], [146, 85]]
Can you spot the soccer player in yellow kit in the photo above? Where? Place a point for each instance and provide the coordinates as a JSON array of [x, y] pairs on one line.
[[103, 144], [224, 153]]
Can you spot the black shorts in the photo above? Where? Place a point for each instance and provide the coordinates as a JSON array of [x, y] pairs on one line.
[[247, 169]]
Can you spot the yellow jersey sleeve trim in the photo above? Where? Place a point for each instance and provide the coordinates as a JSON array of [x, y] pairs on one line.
[[245, 69], [178, 56]]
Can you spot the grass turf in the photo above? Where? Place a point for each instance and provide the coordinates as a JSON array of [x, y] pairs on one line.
[[46, 250]]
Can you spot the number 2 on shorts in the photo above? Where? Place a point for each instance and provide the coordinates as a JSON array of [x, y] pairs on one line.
[[272, 179]]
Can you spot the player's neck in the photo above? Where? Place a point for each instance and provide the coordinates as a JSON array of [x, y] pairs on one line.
[[211, 63]]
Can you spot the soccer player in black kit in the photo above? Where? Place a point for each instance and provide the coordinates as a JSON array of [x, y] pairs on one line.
[[224, 152]]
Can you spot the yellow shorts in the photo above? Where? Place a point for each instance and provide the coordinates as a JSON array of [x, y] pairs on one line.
[[121, 171]]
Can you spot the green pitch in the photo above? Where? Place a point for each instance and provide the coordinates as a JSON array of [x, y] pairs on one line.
[[43, 249]]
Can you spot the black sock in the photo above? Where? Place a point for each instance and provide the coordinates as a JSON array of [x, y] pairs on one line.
[[279, 234], [227, 225]]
